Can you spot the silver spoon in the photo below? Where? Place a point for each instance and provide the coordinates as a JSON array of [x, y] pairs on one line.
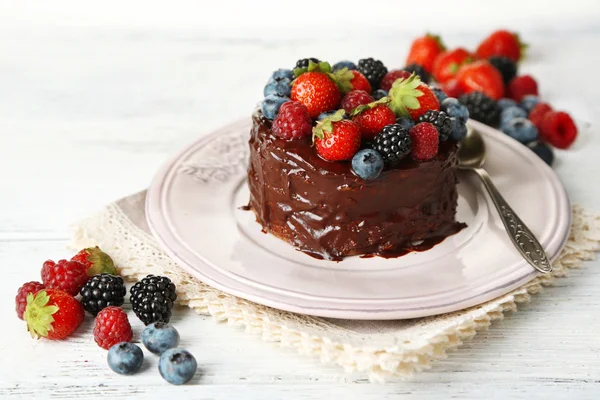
[[471, 157]]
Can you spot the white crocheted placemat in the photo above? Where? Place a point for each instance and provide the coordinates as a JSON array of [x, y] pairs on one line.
[[378, 348]]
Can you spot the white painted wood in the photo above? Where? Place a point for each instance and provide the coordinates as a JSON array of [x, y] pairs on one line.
[[94, 98]]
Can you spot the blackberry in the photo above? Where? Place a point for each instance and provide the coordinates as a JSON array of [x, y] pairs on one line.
[[102, 291], [440, 120], [152, 299], [481, 107], [373, 70], [418, 70], [303, 63], [506, 66], [393, 143]]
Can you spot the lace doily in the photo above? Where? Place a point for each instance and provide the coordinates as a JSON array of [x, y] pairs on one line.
[[380, 349]]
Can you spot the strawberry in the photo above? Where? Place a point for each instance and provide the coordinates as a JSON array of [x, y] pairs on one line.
[[391, 77], [53, 314], [558, 129], [521, 86], [373, 117], [481, 76], [452, 88], [69, 276], [424, 51], [425, 141], [335, 138], [359, 82], [501, 43], [354, 99], [446, 65], [96, 261], [317, 91], [537, 114], [24, 291], [411, 98]]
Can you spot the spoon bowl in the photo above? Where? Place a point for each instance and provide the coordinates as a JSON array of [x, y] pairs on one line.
[[472, 150]]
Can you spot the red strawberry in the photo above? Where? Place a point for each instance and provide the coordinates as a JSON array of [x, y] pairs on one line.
[[537, 114], [425, 141], [481, 76], [452, 88], [411, 98], [354, 99], [558, 129], [317, 91], [501, 43], [372, 120], [391, 77], [69, 276], [335, 138], [24, 291], [292, 122], [53, 314], [96, 261], [522, 86], [112, 327], [446, 65], [424, 51], [359, 82]]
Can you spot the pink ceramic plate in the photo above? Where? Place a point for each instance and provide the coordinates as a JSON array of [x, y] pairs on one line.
[[193, 209]]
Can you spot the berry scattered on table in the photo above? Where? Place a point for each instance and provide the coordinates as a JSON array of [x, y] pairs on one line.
[[440, 120], [558, 129], [521, 86], [379, 94], [455, 109], [53, 314], [354, 99], [538, 113], [159, 337], [543, 151], [317, 91], [303, 63], [411, 98], [391, 77], [447, 64], [373, 70], [96, 261], [440, 94], [393, 143], [501, 43], [510, 113], [419, 71], [152, 299], [271, 105], [506, 67], [336, 138], [177, 366], [281, 87], [425, 141], [528, 102], [481, 107], [372, 118], [481, 76], [125, 358], [424, 50], [520, 129], [102, 291], [112, 327], [343, 64], [506, 102], [359, 82], [405, 123], [22, 293], [69, 276], [293, 121]]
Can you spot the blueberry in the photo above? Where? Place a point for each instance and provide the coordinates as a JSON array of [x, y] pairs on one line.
[[510, 113], [543, 151], [367, 164], [158, 337], [177, 366], [459, 129], [528, 102], [282, 87], [328, 114], [271, 104], [379, 94], [454, 109], [521, 129], [405, 123], [282, 74], [125, 358], [341, 64], [439, 93], [505, 103]]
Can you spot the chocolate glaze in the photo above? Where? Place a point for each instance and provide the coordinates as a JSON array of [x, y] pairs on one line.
[[327, 211]]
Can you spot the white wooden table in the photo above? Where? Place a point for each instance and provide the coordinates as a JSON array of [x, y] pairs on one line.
[[94, 98]]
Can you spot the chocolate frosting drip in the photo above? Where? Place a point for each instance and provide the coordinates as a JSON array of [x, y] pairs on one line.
[[327, 211]]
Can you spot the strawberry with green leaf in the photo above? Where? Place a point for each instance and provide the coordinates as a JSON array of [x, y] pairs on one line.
[[447, 64], [53, 314], [411, 98], [373, 117], [96, 261], [336, 138]]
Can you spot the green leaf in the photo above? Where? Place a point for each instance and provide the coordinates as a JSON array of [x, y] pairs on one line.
[[404, 94], [325, 126], [38, 314], [101, 262], [342, 78], [322, 66], [362, 108]]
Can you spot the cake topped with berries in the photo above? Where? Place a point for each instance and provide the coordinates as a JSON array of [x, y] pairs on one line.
[[355, 159]]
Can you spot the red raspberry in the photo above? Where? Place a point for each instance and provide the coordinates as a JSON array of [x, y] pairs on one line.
[[558, 129], [112, 327], [391, 77], [359, 82], [69, 276], [53, 314], [425, 141], [354, 99], [339, 144], [21, 299], [536, 115], [96, 261], [292, 122], [372, 121], [522, 86]]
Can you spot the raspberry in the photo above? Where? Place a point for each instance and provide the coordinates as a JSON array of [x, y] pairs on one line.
[[292, 122], [391, 77], [537, 114], [112, 327], [425, 141], [522, 86], [359, 82], [558, 129], [21, 299], [69, 276], [354, 99]]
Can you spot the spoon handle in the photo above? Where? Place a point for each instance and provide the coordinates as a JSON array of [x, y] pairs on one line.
[[521, 236]]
